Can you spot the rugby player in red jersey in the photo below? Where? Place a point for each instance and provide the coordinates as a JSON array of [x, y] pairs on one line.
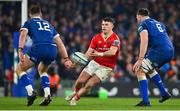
[[104, 49]]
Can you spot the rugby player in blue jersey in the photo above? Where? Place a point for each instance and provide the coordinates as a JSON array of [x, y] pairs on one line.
[[46, 44], [156, 49]]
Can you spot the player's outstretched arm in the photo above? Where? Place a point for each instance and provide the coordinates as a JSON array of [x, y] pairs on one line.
[[62, 51]]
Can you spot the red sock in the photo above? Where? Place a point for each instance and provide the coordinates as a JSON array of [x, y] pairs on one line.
[[77, 89], [77, 97]]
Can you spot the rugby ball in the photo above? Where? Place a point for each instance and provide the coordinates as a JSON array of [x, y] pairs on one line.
[[79, 58]]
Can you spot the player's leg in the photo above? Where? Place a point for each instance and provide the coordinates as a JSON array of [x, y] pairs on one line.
[[42, 69], [101, 74], [155, 77], [94, 80], [84, 76], [82, 79], [143, 84], [48, 54], [21, 72], [155, 60]]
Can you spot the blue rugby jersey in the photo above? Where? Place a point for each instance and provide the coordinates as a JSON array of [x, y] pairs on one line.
[[40, 31], [158, 38]]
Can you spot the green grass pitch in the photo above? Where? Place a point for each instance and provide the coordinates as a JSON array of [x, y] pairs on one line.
[[11, 103]]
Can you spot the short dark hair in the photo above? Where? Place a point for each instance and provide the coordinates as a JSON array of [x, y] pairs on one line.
[[143, 12], [35, 9], [108, 19]]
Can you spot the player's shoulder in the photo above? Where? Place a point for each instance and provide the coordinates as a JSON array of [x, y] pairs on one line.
[[145, 24], [44, 20], [150, 21], [97, 36], [26, 24], [38, 19], [115, 36], [28, 21], [157, 22]]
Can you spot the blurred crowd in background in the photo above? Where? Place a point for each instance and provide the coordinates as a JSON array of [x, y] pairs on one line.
[[78, 21]]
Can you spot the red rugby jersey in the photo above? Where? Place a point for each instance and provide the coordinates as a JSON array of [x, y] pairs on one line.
[[101, 45]]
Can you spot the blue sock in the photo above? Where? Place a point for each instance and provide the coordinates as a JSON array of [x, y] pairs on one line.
[[25, 80], [46, 84], [158, 82], [45, 81], [144, 90]]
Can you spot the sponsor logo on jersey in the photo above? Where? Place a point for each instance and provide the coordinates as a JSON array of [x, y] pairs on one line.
[[116, 42]]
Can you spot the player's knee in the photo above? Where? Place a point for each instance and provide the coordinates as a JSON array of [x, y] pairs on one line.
[[19, 69], [140, 73], [39, 70], [42, 69]]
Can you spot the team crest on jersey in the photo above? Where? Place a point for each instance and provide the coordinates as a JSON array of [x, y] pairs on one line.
[[108, 42]]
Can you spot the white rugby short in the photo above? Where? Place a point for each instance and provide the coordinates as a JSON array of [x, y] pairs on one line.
[[102, 72]]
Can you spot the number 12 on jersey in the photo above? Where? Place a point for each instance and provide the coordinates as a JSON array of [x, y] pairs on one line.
[[43, 26]]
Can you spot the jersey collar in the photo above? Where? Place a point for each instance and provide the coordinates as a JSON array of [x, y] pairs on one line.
[[107, 37], [36, 17]]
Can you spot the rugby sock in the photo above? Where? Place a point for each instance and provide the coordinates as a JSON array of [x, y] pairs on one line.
[[76, 97], [26, 81], [143, 83], [77, 89], [29, 89], [46, 91], [155, 77], [45, 83]]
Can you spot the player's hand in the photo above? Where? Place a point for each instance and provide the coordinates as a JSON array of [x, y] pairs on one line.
[[21, 56], [68, 64], [137, 65]]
